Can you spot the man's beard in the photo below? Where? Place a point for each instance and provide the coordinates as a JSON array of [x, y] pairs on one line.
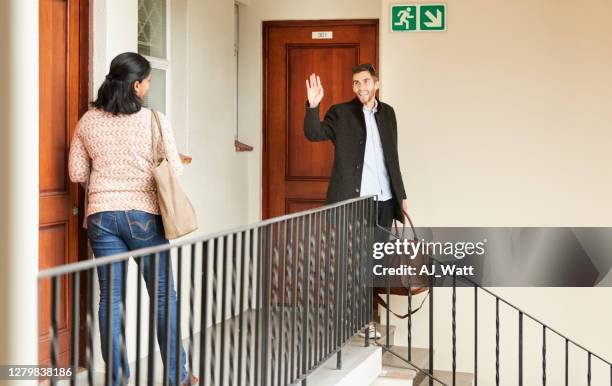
[[365, 99]]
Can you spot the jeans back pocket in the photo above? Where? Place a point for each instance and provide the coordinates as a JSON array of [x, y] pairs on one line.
[[143, 225], [101, 224]]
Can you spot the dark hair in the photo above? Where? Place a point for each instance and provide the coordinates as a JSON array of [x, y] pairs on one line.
[[366, 67], [116, 95]]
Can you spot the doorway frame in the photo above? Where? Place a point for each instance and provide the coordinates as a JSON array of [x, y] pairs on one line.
[[267, 25]]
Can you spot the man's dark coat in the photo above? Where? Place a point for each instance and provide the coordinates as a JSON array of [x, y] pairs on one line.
[[344, 125]]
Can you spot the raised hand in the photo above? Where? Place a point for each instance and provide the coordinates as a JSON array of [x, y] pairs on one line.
[[314, 90]]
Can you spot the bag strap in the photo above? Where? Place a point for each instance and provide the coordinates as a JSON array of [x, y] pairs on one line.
[[414, 233], [385, 305], [415, 239], [155, 121]]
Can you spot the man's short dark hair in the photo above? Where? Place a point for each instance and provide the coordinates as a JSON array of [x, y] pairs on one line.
[[366, 67]]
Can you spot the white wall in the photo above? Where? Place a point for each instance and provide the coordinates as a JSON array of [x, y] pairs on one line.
[[504, 119], [114, 30], [19, 184], [217, 179]]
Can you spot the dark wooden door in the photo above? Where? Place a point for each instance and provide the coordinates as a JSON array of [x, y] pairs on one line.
[[295, 171], [63, 72]]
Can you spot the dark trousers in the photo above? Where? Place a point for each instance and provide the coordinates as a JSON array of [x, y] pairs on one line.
[[385, 213]]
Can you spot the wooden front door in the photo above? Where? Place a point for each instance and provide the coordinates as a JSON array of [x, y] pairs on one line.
[[295, 171], [63, 72]]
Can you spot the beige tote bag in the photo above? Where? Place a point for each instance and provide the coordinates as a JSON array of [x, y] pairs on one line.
[[177, 213]]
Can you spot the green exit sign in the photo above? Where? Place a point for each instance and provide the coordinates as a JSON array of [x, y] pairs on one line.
[[418, 17]]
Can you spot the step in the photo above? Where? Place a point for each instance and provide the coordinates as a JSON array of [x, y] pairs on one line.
[[462, 379], [395, 376], [382, 329], [419, 357], [397, 373], [360, 366]]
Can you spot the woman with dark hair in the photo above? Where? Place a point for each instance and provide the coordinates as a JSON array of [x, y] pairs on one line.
[[112, 152]]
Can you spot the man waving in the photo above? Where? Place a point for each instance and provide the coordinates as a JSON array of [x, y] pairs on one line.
[[364, 134]]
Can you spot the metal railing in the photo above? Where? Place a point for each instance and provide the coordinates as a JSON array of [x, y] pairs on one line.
[[274, 300], [428, 373], [266, 304]]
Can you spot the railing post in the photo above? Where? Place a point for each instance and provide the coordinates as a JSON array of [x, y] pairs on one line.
[[90, 327], [431, 325], [223, 310], [305, 297], [204, 311], [266, 261], [281, 299], [191, 311], [139, 279], [213, 321], [166, 260], [241, 303], [74, 360], [543, 355], [124, 365], [497, 341], [255, 309], [454, 328], [520, 349], [109, 325], [316, 290], [233, 310], [55, 296], [589, 370], [567, 362], [258, 365], [274, 298], [152, 319], [177, 336], [293, 277], [475, 335]]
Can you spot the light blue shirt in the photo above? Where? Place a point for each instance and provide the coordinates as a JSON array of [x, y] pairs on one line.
[[375, 178]]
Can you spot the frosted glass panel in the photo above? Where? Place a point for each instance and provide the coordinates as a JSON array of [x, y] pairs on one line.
[[152, 28], [156, 98]]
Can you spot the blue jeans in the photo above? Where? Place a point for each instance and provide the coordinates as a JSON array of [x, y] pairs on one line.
[[115, 232]]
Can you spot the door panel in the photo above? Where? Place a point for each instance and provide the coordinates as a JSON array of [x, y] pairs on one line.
[[296, 171], [63, 79]]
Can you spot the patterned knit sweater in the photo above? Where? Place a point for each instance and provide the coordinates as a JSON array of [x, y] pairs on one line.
[[116, 154]]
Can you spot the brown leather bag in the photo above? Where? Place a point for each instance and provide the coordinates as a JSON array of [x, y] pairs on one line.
[[413, 284], [178, 215]]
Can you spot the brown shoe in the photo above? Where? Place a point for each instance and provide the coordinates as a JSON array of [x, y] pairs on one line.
[[194, 381]]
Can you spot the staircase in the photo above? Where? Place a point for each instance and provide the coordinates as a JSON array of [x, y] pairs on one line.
[[395, 371], [375, 366]]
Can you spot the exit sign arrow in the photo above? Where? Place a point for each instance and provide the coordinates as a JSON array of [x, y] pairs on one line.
[[432, 17], [434, 21]]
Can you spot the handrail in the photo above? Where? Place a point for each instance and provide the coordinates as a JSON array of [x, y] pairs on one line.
[[92, 263], [485, 289], [476, 286]]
